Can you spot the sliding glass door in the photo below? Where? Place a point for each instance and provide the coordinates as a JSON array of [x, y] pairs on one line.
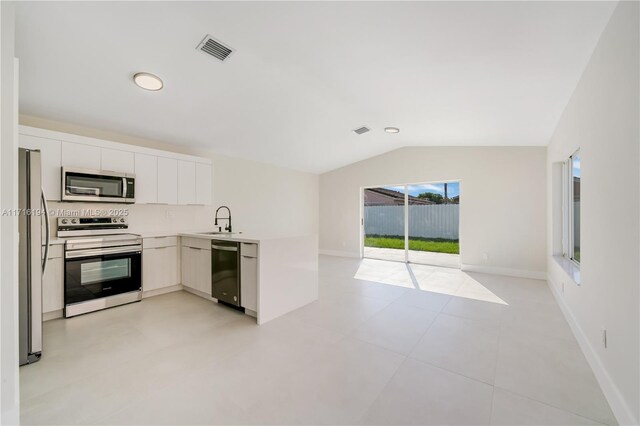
[[433, 219], [417, 223], [384, 223]]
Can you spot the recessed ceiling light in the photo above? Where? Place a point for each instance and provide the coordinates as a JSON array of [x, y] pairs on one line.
[[392, 130], [148, 81]]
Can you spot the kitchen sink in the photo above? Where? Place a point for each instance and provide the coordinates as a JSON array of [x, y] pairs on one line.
[[217, 233]]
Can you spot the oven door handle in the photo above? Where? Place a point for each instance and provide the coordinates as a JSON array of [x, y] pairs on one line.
[[224, 248], [102, 251]]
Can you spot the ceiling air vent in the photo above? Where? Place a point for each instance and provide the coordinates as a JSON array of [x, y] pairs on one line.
[[213, 47], [361, 130]]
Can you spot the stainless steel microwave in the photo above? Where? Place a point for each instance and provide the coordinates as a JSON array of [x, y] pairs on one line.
[[97, 186]]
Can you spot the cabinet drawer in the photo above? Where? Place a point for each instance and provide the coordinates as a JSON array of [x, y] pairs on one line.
[[201, 243], [249, 250], [156, 242]]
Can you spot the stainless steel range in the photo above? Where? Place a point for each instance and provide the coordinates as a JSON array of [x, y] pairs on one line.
[[103, 263]]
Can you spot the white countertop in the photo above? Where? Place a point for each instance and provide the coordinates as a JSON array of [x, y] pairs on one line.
[[240, 236], [157, 234]]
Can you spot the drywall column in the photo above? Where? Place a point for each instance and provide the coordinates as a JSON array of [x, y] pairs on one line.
[[9, 388]]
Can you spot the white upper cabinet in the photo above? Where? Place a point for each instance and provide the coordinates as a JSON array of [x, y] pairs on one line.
[[186, 182], [51, 162], [80, 155], [167, 180], [162, 177], [146, 170], [115, 160], [204, 184]]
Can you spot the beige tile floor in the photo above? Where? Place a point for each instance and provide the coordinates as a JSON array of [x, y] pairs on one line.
[[384, 344]]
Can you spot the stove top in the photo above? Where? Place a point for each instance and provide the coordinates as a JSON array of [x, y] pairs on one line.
[[92, 225]]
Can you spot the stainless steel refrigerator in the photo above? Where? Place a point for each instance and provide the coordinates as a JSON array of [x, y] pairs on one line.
[[33, 253]]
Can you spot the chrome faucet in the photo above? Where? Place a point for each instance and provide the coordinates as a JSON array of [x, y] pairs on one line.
[[228, 219]]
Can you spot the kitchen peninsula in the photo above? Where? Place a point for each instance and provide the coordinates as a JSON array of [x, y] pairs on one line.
[[278, 273]]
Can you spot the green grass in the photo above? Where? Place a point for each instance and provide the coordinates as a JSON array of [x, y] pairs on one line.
[[438, 245]]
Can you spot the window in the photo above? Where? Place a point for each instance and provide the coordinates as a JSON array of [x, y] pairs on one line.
[[572, 233]]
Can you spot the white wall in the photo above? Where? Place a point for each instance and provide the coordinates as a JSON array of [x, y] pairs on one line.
[[263, 198], [502, 211], [602, 120], [9, 387]]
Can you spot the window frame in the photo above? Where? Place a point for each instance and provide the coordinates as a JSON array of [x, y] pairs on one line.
[[568, 240]]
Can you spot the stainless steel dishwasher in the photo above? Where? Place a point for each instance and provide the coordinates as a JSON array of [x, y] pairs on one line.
[[225, 272]]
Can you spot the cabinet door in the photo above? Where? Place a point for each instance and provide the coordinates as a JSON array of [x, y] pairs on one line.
[[146, 170], [249, 282], [186, 182], [203, 272], [204, 184], [51, 159], [117, 161], [167, 180], [169, 258], [79, 155], [53, 286], [188, 257], [159, 268], [151, 273]]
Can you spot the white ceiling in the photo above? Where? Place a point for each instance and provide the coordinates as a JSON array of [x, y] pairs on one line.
[[305, 74]]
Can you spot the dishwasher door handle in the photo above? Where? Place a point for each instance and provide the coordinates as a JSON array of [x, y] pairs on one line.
[[223, 248]]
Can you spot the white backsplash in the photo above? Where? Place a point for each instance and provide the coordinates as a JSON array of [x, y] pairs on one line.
[[147, 217]]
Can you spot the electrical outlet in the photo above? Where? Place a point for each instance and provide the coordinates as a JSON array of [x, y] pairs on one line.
[[604, 338]]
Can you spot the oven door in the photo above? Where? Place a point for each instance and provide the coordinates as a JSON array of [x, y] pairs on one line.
[[89, 277]]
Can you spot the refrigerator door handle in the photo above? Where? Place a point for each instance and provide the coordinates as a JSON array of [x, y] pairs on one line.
[[47, 220]]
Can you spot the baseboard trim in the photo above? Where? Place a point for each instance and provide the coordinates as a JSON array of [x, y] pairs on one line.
[[48, 316], [199, 293], [624, 414], [339, 253], [163, 290], [520, 273]]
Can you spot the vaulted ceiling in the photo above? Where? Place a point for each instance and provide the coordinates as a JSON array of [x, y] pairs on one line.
[[303, 75]]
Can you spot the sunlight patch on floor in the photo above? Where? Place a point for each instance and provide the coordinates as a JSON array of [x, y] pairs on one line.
[[453, 282]]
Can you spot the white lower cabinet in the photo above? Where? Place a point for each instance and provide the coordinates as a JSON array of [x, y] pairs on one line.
[[249, 283], [160, 263], [53, 281], [249, 276], [196, 268]]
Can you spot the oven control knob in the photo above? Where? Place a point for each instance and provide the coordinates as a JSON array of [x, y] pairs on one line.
[[122, 219], [114, 220], [64, 221], [74, 220]]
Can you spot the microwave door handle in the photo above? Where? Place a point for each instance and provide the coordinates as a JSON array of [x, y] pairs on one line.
[[124, 187]]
